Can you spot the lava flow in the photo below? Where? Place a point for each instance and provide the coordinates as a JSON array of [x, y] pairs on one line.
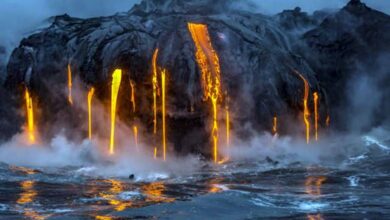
[[116, 82], [155, 87], [163, 107], [135, 133], [306, 113], [30, 117], [327, 121], [70, 99], [275, 126], [90, 96], [132, 86], [315, 97], [208, 62]]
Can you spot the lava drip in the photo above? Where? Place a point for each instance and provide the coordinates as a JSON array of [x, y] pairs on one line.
[[116, 82], [70, 99], [90, 96], [306, 113], [208, 62], [315, 98], [163, 107], [155, 87], [275, 126], [30, 117], [135, 133], [132, 86], [327, 121]]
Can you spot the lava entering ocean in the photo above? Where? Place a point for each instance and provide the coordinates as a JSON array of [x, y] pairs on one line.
[[209, 66], [116, 82]]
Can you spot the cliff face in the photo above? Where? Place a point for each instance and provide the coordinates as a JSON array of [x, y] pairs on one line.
[[256, 54]]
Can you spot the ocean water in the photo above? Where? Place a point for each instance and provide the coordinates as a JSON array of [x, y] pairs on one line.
[[358, 187]]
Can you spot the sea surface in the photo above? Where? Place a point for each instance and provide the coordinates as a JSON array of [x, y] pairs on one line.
[[357, 188]]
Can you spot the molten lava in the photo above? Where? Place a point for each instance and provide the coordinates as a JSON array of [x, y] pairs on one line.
[[30, 117], [70, 100], [116, 82], [208, 62], [155, 87], [163, 107], [90, 96], [132, 86], [306, 113], [275, 126], [135, 133], [327, 121], [315, 98]]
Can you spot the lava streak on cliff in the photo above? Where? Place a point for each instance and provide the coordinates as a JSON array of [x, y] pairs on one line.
[[30, 117], [208, 62], [306, 112], [116, 82]]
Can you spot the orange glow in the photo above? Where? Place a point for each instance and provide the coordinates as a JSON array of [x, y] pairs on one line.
[[208, 62], [315, 97], [30, 117], [70, 100], [155, 153], [112, 194], [163, 88], [132, 85], [313, 185], [135, 133], [227, 120], [314, 217], [154, 192], [306, 113], [215, 129], [275, 126], [155, 87], [327, 121], [28, 195], [116, 82], [90, 96]]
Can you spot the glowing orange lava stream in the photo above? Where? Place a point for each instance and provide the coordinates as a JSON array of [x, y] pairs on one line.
[[132, 86], [90, 96], [163, 107], [306, 113], [275, 126], [155, 87], [315, 98], [135, 133], [30, 117], [208, 63], [70, 99], [116, 82]]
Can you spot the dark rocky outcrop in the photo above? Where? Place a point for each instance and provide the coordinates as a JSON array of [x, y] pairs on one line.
[[257, 57], [348, 43]]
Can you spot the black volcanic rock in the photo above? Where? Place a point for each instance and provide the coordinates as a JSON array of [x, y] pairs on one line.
[[352, 40], [256, 57]]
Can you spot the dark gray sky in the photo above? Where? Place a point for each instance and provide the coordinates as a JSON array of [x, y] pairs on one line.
[[19, 17]]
